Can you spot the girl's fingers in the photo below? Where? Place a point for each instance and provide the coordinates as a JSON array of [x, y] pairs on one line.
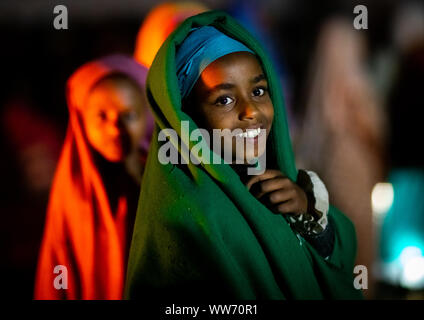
[[289, 206], [281, 195], [269, 174], [261, 188], [278, 192]]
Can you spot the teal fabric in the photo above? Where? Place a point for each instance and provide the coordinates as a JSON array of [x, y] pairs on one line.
[[403, 225], [202, 47], [199, 233]]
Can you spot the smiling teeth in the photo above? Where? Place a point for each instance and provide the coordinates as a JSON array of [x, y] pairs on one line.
[[250, 133]]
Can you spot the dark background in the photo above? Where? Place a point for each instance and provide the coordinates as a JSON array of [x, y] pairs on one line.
[[36, 61]]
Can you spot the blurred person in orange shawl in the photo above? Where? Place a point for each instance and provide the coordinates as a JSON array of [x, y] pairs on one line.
[[95, 190], [343, 131], [158, 25]]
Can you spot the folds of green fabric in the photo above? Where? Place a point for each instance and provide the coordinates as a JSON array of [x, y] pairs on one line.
[[199, 233]]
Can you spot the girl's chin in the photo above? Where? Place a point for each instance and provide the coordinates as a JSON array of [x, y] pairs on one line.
[[252, 157], [249, 159]]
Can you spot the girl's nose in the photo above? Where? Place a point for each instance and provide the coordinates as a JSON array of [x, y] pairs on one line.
[[113, 127], [249, 111]]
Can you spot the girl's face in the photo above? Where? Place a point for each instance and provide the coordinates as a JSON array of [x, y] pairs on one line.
[[114, 117], [232, 93]]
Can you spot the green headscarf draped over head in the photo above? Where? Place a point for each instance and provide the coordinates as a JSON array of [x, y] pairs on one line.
[[200, 233]]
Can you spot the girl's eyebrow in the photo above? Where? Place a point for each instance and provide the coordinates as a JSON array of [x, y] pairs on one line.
[[221, 86], [224, 86], [258, 78], [227, 86]]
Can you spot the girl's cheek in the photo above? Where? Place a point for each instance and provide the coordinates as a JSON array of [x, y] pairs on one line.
[[271, 112]]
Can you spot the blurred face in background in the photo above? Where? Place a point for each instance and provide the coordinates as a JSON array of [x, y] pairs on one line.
[[114, 118]]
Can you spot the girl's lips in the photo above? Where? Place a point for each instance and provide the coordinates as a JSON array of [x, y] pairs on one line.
[[251, 132], [255, 139]]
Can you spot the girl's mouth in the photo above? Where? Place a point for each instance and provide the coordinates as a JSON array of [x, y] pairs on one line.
[[253, 135], [250, 133]]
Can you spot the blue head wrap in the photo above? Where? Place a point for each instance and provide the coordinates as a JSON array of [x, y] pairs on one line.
[[202, 46]]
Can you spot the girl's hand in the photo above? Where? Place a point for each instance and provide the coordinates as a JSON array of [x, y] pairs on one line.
[[278, 192]]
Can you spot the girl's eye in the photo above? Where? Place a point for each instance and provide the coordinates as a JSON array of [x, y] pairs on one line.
[[223, 101], [102, 115], [259, 92]]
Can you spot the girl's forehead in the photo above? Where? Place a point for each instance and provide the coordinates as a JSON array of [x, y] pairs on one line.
[[238, 65], [114, 94], [237, 59]]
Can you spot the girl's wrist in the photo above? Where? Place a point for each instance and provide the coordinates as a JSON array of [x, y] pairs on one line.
[[314, 220]]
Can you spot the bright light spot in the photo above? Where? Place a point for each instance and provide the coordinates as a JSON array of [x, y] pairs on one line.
[[382, 198], [412, 262], [413, 273], [409, 253], [407, 270]]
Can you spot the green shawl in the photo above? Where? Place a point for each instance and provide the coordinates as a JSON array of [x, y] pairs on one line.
[[199, 233]]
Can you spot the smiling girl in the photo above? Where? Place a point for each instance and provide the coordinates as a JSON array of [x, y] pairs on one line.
[[212, 230]]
